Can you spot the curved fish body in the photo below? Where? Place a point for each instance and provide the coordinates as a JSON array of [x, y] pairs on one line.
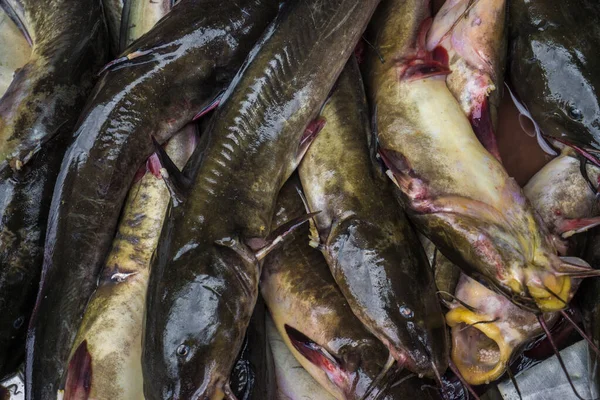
[[316, 322], [473, 34], [293, 382], [15, 50], [487, 337], [105, 361], [113, 138], [553, 67], [374, 255], [139, 16], [210, 265], [455, 191], [25, 194], [68, 46]]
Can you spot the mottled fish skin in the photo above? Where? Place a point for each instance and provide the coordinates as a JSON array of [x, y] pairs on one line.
[[69, 45], [301, 294], [112, 139], [58, 87], [554, 63], [15, 51], [113, 319], [373, 253], [474, 36], [454, 191], [208, 267], [483, 351]]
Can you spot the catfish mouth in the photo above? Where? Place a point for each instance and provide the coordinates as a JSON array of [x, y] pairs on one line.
[[321, 358], [478, 347]]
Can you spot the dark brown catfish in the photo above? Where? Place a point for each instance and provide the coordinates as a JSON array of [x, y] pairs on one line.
[[190, 56], [204, 283], [317, 324], [68, 38], [44, 98], [374, 255], [554, 62]]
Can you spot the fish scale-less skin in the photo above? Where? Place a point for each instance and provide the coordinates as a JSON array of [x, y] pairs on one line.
[[374, 255], [46, 96], [553, 64], [476, 45], [244, 158], [113, 320], [155, 95], [557, 191], [68, 40], [301, 293], [455, 192]]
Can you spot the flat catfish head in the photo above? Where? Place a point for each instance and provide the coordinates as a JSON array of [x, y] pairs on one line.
[[383, 273], [559, 85], [197, 319]]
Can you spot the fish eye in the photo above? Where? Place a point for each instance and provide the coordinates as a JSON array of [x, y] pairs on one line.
[[574, 113], [183, 350]]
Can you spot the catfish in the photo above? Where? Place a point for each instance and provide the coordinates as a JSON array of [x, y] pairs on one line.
[[204, 283], [373, 253], [553, 66], [318, 326], [454, 191], [110, 142], [110, 335], [62, 54]]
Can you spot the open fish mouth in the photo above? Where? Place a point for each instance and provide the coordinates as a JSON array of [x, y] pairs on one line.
[[479, 349]]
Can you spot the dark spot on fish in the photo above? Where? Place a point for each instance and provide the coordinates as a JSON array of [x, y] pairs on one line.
[[79, 374]]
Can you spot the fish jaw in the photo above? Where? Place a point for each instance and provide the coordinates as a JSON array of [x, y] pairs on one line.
[[486, 337]]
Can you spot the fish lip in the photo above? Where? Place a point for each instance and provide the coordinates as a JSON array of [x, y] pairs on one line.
[[462, 323]]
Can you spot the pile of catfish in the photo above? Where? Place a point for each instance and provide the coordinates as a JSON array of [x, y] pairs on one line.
[[307, 199]]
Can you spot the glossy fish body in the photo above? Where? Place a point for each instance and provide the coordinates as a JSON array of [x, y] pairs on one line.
[[293, 382], [499, 329], [374, 256], [15, 50], [110, 335], [210, 269], [553, 67], [68, 44], [454, 191], [44, 98], [474, 36], [316, 322], [113, 138]]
